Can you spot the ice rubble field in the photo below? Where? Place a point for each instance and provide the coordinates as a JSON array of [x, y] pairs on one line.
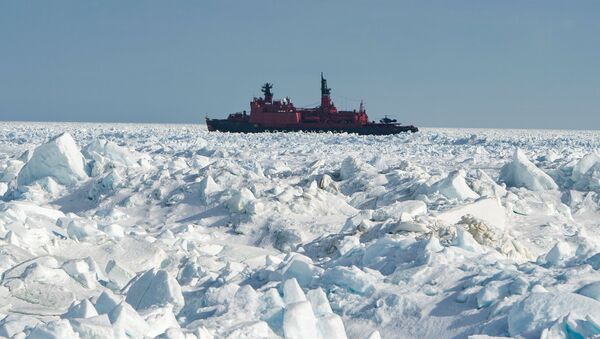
[[171, 232]]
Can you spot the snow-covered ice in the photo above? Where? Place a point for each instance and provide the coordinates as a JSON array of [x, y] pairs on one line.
[[133, 231]]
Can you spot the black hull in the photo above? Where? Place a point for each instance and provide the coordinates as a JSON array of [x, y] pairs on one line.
[[224, 125]]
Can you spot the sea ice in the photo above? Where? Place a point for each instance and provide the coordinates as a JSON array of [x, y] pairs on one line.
[[174, 232]]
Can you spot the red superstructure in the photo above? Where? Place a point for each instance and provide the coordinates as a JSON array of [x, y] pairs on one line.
[[267, 114]]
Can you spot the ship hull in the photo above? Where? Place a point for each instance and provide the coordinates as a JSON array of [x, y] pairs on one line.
[[225, 125]]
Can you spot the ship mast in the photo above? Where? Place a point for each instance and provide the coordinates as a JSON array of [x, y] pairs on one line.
[[325, 92], [266, 89]]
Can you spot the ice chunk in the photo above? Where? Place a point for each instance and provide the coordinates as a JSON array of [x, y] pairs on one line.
[[352, 166], [299, 321], [406, 227], [3, 188], [518, 286], [82, 309], [292, 292], [160, 319], [570, 326], [272, 306], [586, 174], [82, 270], [465, 241], [12, 238], [108, 184], [584, 165], [174, 333], [591, 290], [454, 186], [117, 274], [246, 298], [208, 187], [126, 319], [59, 158], [594, 261], [326, 183], [94, 327], [23, 210], [351, 278], [10, 172], [14, 323], [374, 335], [539, 310], [200, 161], [155, 288], [251, 329], [319, 302], [114, 231], [486, 187], [538, 288], [560, 252], [347, 244], [60, 329], [412, 208], [210, 249], [300, 267], [492, 293], [203, 333], [331, 326], [81, 229], [285, 239], [107, 301], [241, 201], [523, 173], [106, 154], [488, 210]]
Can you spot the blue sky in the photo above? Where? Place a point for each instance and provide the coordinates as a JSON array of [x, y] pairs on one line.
[[528, 64]]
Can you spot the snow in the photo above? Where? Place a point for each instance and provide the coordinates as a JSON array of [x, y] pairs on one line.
[[173, 232]]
